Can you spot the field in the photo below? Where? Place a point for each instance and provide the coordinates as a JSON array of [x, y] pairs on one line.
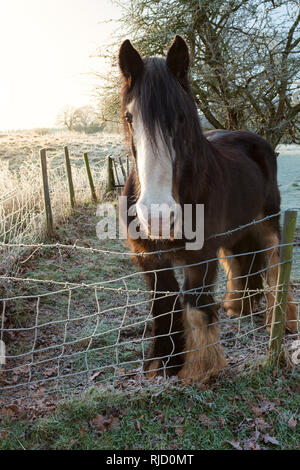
[[64, 322], [17, 147]]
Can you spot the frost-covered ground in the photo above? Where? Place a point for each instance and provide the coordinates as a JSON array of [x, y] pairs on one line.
[[20, 151], [17, 147], [289, 176], [66, 319]]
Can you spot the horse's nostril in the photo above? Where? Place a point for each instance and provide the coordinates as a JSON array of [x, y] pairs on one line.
[[172, 220]]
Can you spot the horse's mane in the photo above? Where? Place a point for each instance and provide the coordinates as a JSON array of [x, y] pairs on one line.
[[167, 106]]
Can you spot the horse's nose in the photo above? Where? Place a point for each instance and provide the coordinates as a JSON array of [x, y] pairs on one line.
[[159, 223], [157, 219]]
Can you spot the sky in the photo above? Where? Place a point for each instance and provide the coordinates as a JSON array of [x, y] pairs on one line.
[[45, 57]]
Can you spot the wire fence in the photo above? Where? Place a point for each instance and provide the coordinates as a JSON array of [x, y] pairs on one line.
[[23, 217], [65, 332], [65, 335]]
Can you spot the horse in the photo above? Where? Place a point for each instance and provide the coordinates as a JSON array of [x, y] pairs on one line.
[[233, 174]]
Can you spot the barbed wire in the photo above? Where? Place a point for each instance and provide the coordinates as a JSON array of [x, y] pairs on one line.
[[64, 335], [141, 254], [77, 342]]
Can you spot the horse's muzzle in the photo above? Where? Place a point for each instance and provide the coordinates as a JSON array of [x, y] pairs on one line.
[[159, 221]]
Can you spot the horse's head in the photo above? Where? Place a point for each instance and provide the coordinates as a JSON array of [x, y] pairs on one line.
[[156, 102]]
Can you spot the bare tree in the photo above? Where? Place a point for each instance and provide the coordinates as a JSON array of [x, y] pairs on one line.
[[82, 119], [245, 55], [67, 117], [107, 95]]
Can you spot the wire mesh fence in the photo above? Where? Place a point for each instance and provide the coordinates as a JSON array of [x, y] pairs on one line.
[[64, 335], [22, 208]]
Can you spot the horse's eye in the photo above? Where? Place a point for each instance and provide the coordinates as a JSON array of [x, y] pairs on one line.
[[128, 117]]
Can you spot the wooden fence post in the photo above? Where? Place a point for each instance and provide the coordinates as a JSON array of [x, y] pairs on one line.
[[90, 178], [123, 170], [116, 176], [48, 210], [286, 255], [110, 175], [69, 175]]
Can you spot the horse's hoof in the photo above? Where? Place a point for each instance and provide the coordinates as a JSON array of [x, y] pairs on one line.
[[153, 369], [291, 320], [231, 313]]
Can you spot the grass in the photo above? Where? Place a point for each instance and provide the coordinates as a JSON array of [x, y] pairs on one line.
[[17, 147], [85, 328], [250, 411], [22, 218], [82, 326], [246, 411]]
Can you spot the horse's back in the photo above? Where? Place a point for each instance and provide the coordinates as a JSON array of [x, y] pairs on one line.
[[239, 143], [253, 160], [216, 133]]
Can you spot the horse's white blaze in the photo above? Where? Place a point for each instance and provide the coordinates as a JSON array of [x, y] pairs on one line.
[[155, 171]]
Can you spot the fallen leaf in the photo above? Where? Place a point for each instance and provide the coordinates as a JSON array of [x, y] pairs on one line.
[[205, 420], [50, 372], [100, 423], [115, 422], [9, 410], [138, 425], [160, 417], [261, 424], [179, 419], [179, 430], [292, 423], [257, 411], [265, 406], [234, 444], [251, 444], [270, 439], [73, 442], [221, 421], [96, 374]]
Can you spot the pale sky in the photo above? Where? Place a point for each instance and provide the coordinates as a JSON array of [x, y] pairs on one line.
[[45, 57]]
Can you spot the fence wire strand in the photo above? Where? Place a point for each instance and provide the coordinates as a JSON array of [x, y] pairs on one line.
[[82, 334], [62, 336]]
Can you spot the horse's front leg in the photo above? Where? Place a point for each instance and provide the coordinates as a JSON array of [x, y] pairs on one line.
[[165, 356], [203, 357]]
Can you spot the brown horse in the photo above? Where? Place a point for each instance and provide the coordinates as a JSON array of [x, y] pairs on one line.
[[233, 174]]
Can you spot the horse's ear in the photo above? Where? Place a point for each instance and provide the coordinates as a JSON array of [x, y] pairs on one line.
[[178, 57], [130, 62]]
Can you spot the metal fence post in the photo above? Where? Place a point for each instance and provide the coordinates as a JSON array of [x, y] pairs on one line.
[[286, 255], [69, 175], [90, 178], [48, 210]]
